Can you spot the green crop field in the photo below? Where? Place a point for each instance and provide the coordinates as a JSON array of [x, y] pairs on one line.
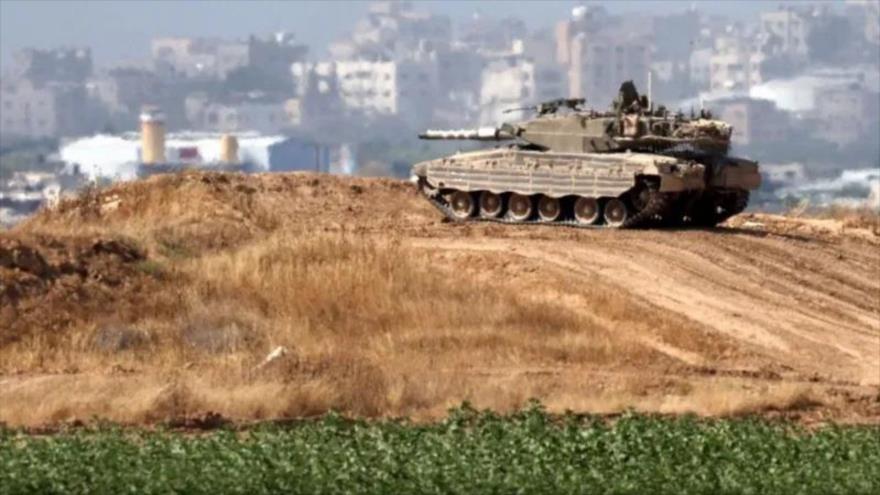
[[469, 452]]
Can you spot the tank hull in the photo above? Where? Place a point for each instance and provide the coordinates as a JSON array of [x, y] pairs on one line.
[[653, 189]]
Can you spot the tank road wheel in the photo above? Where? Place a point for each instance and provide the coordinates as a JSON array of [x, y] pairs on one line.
[[462, 205], [615, 212], [490, 205], [586, 210], [519, 207], [548, 209]]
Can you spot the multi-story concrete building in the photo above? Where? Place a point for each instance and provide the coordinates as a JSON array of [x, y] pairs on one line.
[[508, 83], [551, 78], [217, 58], [122, 92], [393, 31], [404, 88], [600, 51], [733, 65], [459, 81], [244, 115], [786, 31], [275, 54], [754, 121], [35, 110], [126, 90], [845, 114], [57, 65], [600, 63], [187, 57], [317, 90], [700, 68]]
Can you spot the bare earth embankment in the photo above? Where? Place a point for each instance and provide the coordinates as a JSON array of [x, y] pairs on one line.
[[158, 300]]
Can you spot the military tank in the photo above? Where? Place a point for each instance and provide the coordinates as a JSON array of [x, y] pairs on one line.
[[632, 166]]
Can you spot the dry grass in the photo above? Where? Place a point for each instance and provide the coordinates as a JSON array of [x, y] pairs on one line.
[[373, 328], [849, 217], [858, 218], [373, 325]]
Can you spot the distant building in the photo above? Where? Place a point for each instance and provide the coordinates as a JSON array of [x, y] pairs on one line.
[[733, 65], [700, 68], [845, 114], [317, 91], [599, 52], [786, 32], [405, 88], [551, 78], [217, 58], [393, 31], [40, 111], [483, 33], [459, 79], [508, 83], [275, 54], [126, 90], [187, 57], [118, 157], [248, 115], [69, 65], [754, 122], [799, 94], [600, 63]]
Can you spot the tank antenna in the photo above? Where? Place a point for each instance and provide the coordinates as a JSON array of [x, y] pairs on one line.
[[650, 94]]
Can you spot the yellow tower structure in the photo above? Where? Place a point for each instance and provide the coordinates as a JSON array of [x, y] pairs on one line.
[[229, 149], [152, 136]]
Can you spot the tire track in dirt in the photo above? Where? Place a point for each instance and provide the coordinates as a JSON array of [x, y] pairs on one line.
[[808, 306]]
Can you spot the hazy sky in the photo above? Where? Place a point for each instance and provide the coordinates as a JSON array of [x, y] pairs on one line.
[[122, 29]]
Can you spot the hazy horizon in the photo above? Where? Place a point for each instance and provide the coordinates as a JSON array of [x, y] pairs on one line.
[[117, 30]]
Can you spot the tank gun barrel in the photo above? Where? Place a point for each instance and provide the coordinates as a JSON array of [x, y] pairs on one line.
[[480, 134]]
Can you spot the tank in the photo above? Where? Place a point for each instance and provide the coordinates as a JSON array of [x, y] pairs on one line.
[[631, 166]]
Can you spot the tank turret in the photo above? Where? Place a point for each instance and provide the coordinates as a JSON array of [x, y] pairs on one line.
[[563, 125], [632, 165]]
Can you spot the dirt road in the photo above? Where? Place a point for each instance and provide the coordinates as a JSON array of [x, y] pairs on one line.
[[799, 303]]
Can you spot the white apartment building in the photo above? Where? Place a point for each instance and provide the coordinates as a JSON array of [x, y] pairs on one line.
[[369, 86], [405, 88], [507, 82], [733, 66]]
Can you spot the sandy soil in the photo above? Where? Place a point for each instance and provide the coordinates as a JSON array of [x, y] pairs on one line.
[[764, 314]]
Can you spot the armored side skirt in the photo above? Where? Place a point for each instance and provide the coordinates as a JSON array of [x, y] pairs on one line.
[[558, 175]]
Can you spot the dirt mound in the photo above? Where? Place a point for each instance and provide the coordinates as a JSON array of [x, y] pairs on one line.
[[192, 212], [50, 283], [161, 298]]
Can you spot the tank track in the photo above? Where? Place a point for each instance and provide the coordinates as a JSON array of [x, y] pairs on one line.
[[650, 215], [737, 206], [732, 203]]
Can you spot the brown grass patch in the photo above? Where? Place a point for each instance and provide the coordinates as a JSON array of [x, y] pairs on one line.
[[359, 316]]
